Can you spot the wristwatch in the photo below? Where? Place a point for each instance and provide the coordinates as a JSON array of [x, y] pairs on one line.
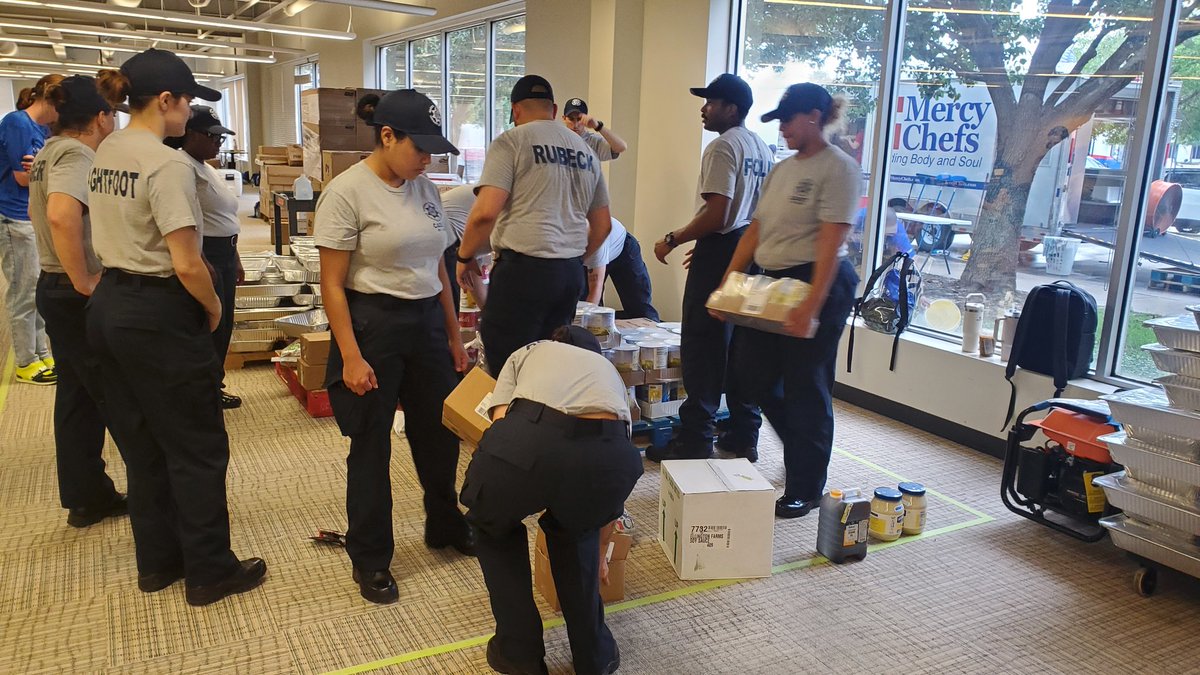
[[669, 240], [599, 125], [465, 261]]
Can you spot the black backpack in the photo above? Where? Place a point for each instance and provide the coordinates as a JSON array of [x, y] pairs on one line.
[[1055, 336], [887, 307]]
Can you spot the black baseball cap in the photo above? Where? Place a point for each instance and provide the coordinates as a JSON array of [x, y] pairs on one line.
[[531, 86], [575, 105], [414, 114], [82, 97], [154, 71], [800, 98], [204, 119], [728, 88], [578, 336]]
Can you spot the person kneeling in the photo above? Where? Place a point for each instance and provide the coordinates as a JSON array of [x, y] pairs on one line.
[[559, 444]]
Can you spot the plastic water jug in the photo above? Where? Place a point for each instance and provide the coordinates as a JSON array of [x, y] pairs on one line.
[[843, 525], [302, 188]]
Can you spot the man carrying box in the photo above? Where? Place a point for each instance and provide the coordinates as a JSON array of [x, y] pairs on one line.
[[560, 444]]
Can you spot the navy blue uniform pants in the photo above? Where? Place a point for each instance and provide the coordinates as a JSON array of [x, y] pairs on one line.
[[163, 405], [792, 379], [78, 418], [579, 472], [528, 298], [221, 253], [705, 349], [404, 342], [632, 281]]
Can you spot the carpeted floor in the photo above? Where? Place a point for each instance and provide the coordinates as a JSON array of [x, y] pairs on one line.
[[983, 591]]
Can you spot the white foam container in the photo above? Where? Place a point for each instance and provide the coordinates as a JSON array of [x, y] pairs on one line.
[[1128, 495], [1176, 332], [1140, 457], [1148, 408], [1176, 361], [1182, 391], [1148, 542]]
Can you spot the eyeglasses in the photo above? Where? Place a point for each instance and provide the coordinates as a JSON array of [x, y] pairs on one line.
[[217, 138]]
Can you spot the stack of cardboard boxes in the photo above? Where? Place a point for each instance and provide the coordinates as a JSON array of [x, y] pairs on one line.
[[334, 138], [279, 167], [314, 355]]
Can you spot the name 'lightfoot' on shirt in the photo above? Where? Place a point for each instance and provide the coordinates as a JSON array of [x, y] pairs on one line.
[[114, 182], [568, 157]]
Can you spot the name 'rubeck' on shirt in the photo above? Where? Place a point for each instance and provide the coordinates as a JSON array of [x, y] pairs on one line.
[[568, 157], [118, 183]]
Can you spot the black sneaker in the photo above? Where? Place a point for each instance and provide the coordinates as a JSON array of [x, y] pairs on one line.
[[677, 449], [729, 442], [229, 401], [249, 574], [501, 664], [379, 587], [86, 517]]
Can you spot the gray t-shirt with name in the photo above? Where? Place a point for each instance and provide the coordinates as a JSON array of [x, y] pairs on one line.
[[396, 235], [798, 197], [61, 167], [139, 192], [734, 165], [612, 247], [588, 384], [599, 145], [457, 203], [553, 181], [218, 205]]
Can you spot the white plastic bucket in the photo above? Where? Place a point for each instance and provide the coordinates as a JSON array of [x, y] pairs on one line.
[[1060, 254]]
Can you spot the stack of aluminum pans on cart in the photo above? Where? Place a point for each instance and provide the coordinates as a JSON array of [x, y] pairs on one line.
[[1159, 446], [262, 296], [312, 321]]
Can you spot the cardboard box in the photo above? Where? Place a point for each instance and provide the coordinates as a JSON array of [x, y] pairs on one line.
[[664, 375], [314, 347], [612, 591], [364, 133], [311, 375], [272, 154], [334, 162], [466, 410], [653, 411], [624, 325], [328, 121], [716, 519], [635, 414], [757, 301], [633, 378], [295, 155]]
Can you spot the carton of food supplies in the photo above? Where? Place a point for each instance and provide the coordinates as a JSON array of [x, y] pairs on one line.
[[716, 518], [466, 411], [614, 547], [758, 301]]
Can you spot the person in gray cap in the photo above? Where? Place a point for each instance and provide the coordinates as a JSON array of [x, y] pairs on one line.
[[382, 236], [543, 203], [731, 174], [219, 207], [799, 232], [600, 137], [559, 446]]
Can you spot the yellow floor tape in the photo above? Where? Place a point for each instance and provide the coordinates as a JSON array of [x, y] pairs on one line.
[[659, 598]]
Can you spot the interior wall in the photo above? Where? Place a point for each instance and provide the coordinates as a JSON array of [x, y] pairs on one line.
[[558, 45]]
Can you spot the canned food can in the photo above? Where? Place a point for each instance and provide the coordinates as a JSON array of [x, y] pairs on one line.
[[653, 356]]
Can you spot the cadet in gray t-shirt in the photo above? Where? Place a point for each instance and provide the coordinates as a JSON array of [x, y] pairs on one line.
[[731, 173], [62, 167], [599, 137], [543, 203]]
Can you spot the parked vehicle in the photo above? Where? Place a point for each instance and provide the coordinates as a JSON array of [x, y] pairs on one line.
[[1188, 220]]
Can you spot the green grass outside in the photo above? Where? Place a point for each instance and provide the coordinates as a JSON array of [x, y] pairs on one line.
[[1135, 362]]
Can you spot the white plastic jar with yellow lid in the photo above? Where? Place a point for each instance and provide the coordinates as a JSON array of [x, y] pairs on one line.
[[887, 514], [913, 498]]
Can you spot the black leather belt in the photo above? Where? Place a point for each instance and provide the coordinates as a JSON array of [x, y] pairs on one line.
[[143, 280], [231, 240], [540, 413], [57, 279]]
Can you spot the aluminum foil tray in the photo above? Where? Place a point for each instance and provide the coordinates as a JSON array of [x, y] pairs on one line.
[[1153, 544], [1149, 408], [1130, 496], [312, 321], [1139, 457], [1184, 447], [1175, 361], [256, 301], [271, 290], [248, 331], [270, 314], [294, 272], [240, 346], [1182, 391], [1164, 489], [252, 276], [1176, 332]]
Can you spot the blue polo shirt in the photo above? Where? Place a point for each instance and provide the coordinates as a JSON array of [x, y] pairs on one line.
[[19, 136]]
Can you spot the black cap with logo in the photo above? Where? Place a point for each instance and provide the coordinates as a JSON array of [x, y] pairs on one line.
[[578, 336], [413, 113], [154, 71], [82, 99], [575, 105], [204, 119], [800, 98], [729, 88], [531, 86]]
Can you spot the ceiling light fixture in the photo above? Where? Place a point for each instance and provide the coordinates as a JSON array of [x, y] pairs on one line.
[[297, 6], [83, 68], [384, 6], [133, 50], [181, 18], [141, 36]]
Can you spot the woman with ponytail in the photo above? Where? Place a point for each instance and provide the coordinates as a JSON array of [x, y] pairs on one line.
[[151, 320], [58, 207]]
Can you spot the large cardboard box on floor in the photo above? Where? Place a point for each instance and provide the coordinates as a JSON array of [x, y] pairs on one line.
[[466, 410], [717, 518], [314, 347], [612, 590]]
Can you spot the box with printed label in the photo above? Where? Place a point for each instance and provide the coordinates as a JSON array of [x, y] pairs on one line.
[[314, 347], [465, 411], [716, 519], [611, 590], [659, 409], [757, 301]]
